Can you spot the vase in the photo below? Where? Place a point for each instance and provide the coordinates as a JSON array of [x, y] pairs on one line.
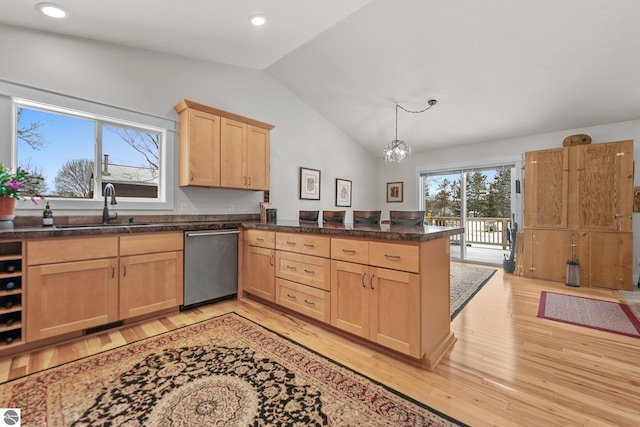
[[7, 208], [509, 266]]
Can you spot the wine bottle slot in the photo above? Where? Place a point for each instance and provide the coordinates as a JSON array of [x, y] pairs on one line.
[[10, 266], [10, 301], [9, 337], [10, 284]]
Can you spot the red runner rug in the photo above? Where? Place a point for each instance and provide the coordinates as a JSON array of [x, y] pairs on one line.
[[592, 313]]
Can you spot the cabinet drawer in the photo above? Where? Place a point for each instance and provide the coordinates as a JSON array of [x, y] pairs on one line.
[[350, 250], [304, 244], [151, 243], [261, 238], [52, 251], [394, 256], [309, 301], [306, 269]]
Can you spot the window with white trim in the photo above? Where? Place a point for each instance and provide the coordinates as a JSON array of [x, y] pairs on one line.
[[77, 153]]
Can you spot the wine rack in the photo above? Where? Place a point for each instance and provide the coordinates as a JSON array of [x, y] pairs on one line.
[[11, 294]]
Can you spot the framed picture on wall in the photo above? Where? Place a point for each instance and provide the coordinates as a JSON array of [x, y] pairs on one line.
[[394, 192], [309, 184], [343, 192]]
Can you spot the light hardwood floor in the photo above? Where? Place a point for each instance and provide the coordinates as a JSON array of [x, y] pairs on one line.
[[507, 368]]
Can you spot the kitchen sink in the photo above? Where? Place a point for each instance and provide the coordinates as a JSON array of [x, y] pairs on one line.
[[100, 225]]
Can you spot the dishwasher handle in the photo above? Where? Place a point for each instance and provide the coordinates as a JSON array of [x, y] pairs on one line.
[[211, 233]]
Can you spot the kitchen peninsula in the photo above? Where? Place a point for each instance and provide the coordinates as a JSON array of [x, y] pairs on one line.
[[388, 285]]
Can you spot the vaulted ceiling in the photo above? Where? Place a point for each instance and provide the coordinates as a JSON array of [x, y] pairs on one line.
[[498, 68]]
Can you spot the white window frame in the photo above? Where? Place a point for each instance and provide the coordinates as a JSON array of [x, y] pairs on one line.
[[14, 96]]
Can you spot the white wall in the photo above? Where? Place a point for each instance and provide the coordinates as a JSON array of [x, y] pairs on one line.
[[152, 83]]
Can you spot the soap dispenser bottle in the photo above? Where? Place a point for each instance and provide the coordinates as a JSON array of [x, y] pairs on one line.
[[47, 216]]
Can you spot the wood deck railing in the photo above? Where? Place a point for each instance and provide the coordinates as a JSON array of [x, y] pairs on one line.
[[486, 231]]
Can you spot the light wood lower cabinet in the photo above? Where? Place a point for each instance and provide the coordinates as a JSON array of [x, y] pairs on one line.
[[150, 283], [66, 296], [304, 299], [378, 304], [605, 258], [259, 264], [71, 296], [151, 273], [79, 283], [395, 295]]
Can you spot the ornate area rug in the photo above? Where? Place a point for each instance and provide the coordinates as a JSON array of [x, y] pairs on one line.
[[466, 281], [226, 371], [592, 313]]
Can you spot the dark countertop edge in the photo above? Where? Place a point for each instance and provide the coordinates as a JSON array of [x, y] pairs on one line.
[[106, 230], [418, 234]]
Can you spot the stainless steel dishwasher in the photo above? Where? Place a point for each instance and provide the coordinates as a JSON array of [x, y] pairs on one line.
[[210, 266]]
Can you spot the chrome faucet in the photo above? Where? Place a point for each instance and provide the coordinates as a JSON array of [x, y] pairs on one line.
[[109, 190]]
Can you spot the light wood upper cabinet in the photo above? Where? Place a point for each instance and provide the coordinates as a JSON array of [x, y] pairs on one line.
[[546, 188], [580, 187], [604, 178], [258, 158], [222, 149], [200, 153]]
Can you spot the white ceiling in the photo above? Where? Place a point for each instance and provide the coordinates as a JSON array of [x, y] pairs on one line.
[[499, 68]]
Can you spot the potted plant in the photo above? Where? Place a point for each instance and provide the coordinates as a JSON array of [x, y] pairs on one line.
[[14, 186]]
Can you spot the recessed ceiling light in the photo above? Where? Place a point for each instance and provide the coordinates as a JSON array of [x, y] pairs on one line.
[[258, 20], [51, 10]]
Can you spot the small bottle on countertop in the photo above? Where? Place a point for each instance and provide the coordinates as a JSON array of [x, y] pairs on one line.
[[47, 216]]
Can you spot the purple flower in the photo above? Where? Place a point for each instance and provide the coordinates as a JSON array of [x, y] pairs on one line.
[[14, 185]]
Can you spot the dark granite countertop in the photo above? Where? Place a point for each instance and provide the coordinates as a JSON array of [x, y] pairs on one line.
[[72, 226], [383, 231]]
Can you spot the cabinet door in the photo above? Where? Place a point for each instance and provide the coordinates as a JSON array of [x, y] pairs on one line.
[[604, 186], [258, 160], [550, 251], [150, 283], [71, 296], [232, 154], [260, 273], [546, 188], [199, 149], [395, 310], [610, 260], [350, 294]]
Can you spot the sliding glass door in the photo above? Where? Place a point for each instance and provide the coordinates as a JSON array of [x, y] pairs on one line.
[[480, 199]]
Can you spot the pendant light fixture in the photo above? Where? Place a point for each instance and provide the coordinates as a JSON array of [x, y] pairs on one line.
[[398, 150]]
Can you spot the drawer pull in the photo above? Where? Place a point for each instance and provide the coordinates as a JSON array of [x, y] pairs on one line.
[[349, 251], [291, 243], [310, 302], [259, 239], [291, 296], [291, 268], [309, 271], [392, 256], [309, 245]]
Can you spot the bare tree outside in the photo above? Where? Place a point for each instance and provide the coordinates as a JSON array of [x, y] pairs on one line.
[[74, 178], [145, 143], [41, 186], [30, 133]]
